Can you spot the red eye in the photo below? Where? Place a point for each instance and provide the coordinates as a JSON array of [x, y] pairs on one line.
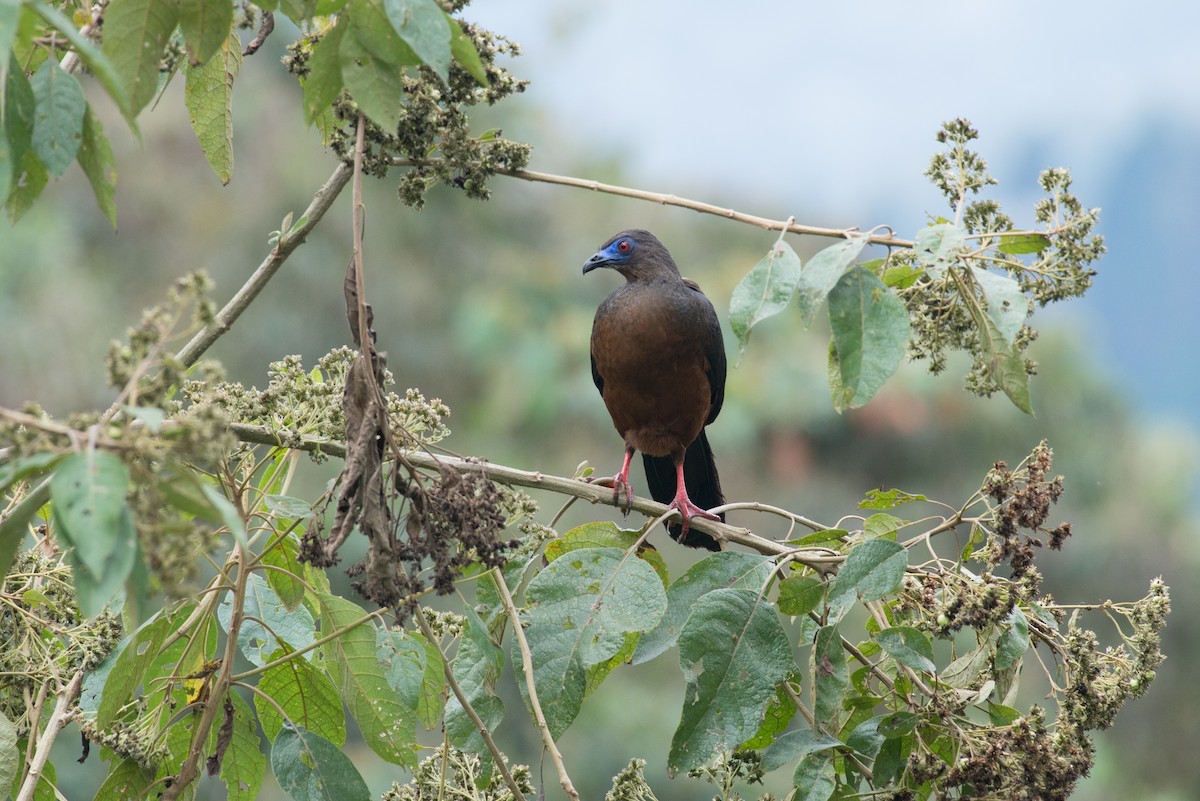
[[624, 246]]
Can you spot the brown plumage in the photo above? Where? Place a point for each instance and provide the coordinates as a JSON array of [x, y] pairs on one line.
[[659, 362]]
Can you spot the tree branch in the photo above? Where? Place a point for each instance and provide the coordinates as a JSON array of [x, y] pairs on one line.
[[817, 558], [288, 242], [527, 664], [58, 719]]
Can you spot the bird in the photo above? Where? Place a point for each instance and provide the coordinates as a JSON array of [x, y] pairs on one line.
[[658, 359]]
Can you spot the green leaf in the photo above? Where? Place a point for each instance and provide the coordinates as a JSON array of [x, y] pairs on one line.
[[964, 672], [244, 765], [881, 524], [606, 534], [414, 669], [882, 500], [874, 568], [305, 694], [14, 523], [1007, 305], [901, 276], [830, 674], [266, 621], [938, 245], [96, 158], [733, 652], [1024, 243], [465, 53], [96, 62], [226, 511], [581, 607], [135, 34], [423, 26], [477, 667], [27, 185], [287, 507], [865, 738], [814, 778], [10, 18], [778, 714], [129, 669], [16, 130], [388, 726], [764, 291], [891, 759], [127, 779], [324, 79], [10, 757], [58, 119], [376, 85], [287, 580], [1001, 715], [870, 335], [93, 517], [721, 570], [310, 768], [209, 99], [799, 595], [908, 646], [821, 274], [1014, 642], [796, 744], [898, 724], [206, 26], [26, 467], [1006, 365]]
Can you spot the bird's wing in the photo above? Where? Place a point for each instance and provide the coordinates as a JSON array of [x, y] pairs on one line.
[[714, 352]]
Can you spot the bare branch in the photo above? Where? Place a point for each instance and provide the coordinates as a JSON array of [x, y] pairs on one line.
[[58, 719]]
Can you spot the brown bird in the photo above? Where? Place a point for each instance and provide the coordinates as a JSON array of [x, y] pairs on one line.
[[659, 362]]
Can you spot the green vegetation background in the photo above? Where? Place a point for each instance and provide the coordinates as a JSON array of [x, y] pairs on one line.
[[483, 305]]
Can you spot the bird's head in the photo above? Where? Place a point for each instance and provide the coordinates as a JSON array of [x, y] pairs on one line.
[[635, 254]]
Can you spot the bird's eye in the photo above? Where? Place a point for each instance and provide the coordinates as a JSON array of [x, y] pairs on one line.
[[624, 246]]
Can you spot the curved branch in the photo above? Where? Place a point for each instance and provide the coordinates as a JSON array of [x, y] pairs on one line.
[[288, 242], [58, 719]]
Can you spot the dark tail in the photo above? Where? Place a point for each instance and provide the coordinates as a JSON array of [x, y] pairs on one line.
[[703, 486]]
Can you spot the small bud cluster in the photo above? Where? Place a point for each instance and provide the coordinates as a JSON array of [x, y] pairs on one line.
[[451, 773]]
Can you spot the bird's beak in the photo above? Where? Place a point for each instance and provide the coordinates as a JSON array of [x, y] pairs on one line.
[[598, 260]]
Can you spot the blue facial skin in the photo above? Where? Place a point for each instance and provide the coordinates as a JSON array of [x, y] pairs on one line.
[[615, 253]]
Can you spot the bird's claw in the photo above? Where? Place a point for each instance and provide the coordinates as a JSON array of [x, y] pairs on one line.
[[621, 482], [688, 510]]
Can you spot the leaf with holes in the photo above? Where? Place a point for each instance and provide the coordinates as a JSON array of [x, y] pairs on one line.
[[305, 694], [908, 646], [310, 768], [873, 569], [208, 95]]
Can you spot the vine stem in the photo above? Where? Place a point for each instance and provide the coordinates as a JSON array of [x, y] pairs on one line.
[[480, 726], [58, 719], [534, 703]]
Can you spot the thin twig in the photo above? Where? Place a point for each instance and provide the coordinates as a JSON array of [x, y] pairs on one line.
[[480, 726], [527, 663], [288, 242], [58, 719]]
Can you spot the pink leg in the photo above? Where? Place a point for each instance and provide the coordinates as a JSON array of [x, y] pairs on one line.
[[683, 503], [621, 482]]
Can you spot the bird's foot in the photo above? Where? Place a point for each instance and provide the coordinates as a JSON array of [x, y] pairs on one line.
[[621, 482], [688, 510]]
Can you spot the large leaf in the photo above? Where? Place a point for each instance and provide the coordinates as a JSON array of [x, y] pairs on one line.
[[310, 768], [324, 79], [465, 53], [873, 569], [764, 291], [414, 669], [938, 245], [93, 517], [606, 534], [376, 84], [477, 667], [305, 694], [581, 607], [1005, 363], [98, 164], [266, 621], [424, 27], [1007, 305], [205, 25], [244, 765], [796, 744], [16, 133], [58, 120], [733, 652], [129, 669], [10, 757], [388, 725], [1024, 243], [821, 274], [135, 34], [209, 99], [1013, 643], [814, 777], [127, 779], [908, 646], [830, 675], [721, 570], [870, 334], [28, 181]]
